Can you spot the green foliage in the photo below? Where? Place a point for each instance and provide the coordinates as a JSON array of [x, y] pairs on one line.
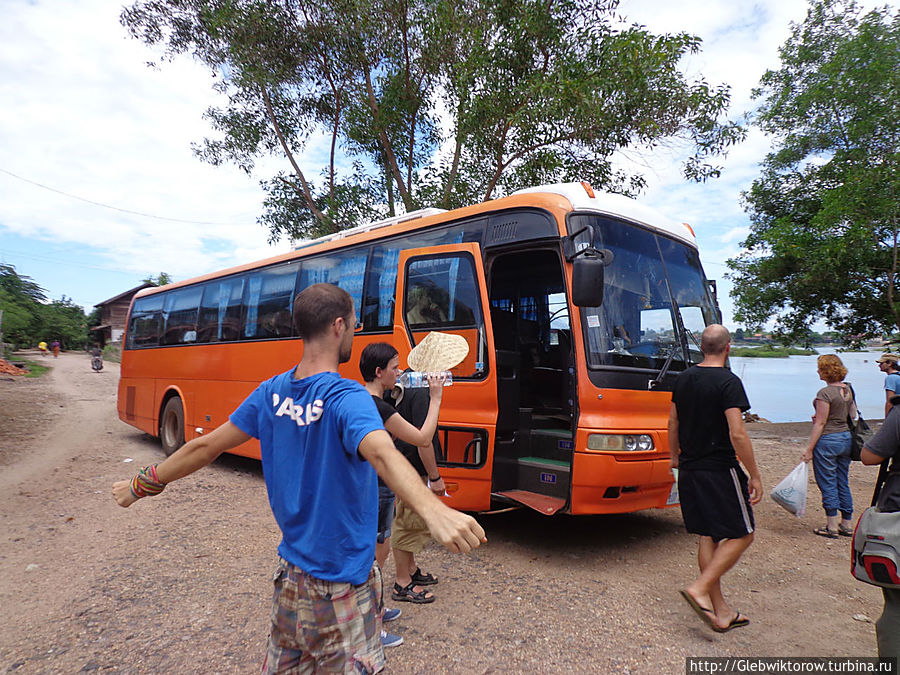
[[160, 279], [64, 321], [113, 352], [28, 318], [824, 237], [21, 300], [771, 352], [433, 102]]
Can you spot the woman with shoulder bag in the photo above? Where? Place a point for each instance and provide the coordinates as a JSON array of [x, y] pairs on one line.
[[829, 447]]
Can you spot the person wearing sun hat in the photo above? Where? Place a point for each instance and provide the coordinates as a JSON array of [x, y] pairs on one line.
[[379, 366], [888, 365], [435, 353]]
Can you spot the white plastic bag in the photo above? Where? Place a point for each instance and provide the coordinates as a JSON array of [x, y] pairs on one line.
[[791, 492]]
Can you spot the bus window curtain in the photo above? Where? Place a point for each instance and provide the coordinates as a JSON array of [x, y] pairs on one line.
[[351, 275], [255, 287], [387, 284]]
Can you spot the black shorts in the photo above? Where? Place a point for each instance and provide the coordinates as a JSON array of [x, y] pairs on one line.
[[715, 503]]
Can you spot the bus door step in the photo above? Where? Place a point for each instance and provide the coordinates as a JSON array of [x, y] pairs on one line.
[[541, 503], [544, 476]]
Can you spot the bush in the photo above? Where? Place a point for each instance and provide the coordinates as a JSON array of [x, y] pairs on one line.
[[113, 352]]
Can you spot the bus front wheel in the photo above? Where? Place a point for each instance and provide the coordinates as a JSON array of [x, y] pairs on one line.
[[171, 426]]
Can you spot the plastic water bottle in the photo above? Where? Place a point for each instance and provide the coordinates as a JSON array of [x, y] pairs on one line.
[[414, 379]]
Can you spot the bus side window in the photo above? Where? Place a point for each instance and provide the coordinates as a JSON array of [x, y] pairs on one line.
[[220, 311], [381, 281], [145, 320], [346, 269], [442, 295], [378, 305], [268, 307], [180, 316]]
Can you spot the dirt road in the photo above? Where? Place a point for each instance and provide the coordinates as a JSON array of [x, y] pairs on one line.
[[181, 583]]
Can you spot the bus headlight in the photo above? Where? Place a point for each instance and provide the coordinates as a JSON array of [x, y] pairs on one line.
[[621, 442]]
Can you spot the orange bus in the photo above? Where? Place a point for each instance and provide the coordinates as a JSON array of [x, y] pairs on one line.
[[579, 310]]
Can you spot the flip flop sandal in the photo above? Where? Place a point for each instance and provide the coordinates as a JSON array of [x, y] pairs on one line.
[[738, 621], [409, 594], [706, 615], [845, 531], [825, 532], [421, 579]]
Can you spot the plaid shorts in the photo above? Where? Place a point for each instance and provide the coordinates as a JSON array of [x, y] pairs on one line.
[[324, 626]]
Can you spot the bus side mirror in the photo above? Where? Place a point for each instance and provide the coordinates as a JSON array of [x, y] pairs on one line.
[[587, 276]]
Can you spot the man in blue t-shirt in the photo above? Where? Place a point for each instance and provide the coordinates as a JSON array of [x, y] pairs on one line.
[[706, 439], [321, 441], [887, 363]]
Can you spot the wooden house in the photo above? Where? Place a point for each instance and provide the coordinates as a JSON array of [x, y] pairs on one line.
[[113, 313]]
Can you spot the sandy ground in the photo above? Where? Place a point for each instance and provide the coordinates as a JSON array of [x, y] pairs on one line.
[[181, 583]]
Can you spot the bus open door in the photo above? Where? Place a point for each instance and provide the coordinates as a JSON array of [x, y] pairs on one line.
[[442, 288]]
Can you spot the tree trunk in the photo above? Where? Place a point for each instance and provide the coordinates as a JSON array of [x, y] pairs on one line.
[[307, 194]]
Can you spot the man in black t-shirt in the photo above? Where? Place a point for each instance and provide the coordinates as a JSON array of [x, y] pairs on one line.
[[883, 445], [706, 439]]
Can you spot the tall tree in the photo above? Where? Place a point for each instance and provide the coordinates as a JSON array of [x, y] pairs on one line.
[[823, 243], [65, 321], [28, 317], [433, 102], [20, 300]]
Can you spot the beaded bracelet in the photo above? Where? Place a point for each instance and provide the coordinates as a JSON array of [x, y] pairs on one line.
[[146, 483]]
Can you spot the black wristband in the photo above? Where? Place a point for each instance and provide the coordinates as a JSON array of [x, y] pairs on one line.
[[435, 480]]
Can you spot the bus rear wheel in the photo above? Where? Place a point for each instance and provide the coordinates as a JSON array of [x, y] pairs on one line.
[[171, 426]]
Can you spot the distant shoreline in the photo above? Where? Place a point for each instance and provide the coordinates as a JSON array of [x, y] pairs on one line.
[[770, 352]]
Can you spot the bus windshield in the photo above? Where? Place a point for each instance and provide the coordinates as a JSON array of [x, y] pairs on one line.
[[656, 300]]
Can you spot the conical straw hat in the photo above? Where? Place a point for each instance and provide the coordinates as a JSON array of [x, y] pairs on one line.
[[437, 352]]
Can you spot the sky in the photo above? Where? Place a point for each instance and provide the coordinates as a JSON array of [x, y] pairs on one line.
[[99, 187]]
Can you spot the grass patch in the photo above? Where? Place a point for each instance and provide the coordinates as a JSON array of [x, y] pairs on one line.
[[771, 352], [34, 369], [113, 352]]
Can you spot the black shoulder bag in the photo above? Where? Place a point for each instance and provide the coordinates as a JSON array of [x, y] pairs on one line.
[[859, 429]]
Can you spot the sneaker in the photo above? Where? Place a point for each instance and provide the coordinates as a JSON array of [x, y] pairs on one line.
[[390, 640], [391, 614]]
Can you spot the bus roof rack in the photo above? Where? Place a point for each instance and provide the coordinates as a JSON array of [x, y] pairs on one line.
[[412, 215]]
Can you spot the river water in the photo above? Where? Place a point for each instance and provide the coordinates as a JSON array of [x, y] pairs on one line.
[[782, 390]]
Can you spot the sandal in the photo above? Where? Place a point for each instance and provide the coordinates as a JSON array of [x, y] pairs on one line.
[[825, 532], [845, 531], [421, 579], [738, 621], [409, 594]]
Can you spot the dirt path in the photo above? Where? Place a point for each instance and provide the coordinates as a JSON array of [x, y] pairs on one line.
[[181, 583]]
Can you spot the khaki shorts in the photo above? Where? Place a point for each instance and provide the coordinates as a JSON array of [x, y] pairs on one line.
[[409, 533]]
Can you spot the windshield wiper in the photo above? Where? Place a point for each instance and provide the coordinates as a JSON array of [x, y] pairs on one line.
[[656, 381], [682, 345]]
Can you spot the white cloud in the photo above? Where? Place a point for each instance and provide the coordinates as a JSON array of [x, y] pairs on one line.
[[82, 113], [734, 234], [85, 115]]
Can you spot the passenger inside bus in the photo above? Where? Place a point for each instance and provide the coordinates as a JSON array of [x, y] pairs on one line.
[[425, 306]]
